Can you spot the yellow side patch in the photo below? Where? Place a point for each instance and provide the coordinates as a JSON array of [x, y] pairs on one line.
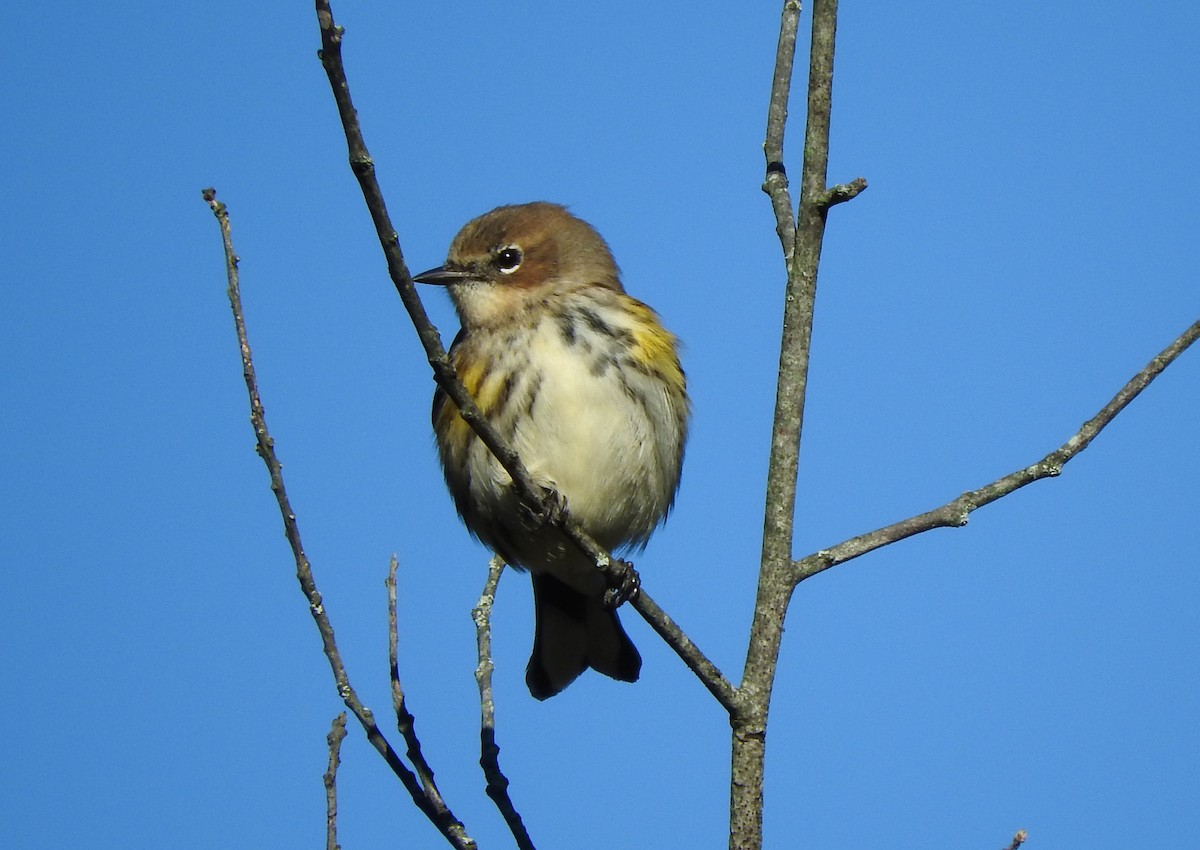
[[485, 388], [654, 345]]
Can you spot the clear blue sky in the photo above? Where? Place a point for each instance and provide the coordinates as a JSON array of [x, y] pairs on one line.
[[1028, 242]]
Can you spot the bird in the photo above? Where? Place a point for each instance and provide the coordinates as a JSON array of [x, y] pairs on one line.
[[585, 383]]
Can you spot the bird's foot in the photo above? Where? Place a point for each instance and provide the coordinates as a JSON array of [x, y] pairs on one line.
[[625, 584], [550, 509]]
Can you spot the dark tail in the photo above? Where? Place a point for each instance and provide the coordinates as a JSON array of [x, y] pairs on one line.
[[574, 631]]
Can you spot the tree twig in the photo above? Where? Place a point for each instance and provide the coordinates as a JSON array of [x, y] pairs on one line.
[[489, 750], [337, 732], [441, 817], [954, 513], [1018, 840], [537, 497], [405, 722], [842, 192], [775, 184]]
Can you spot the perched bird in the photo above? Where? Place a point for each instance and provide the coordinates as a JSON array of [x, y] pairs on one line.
[[585, 383]]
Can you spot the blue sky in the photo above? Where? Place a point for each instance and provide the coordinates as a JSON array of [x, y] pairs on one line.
[[1027, 243]]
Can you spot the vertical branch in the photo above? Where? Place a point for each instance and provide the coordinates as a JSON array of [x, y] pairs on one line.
[[775, 585], [334, 739], [802, 253], [776, 183], [489, 750], [405, 722], [748, 721]]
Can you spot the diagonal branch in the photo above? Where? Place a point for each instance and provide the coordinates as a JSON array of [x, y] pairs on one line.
[[954, 514], [440, 816], [541, 500]]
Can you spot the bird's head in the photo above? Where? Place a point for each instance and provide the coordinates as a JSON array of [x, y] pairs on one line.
[[519, 258]]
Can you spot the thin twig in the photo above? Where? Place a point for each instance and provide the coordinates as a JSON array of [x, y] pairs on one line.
[[541, 500], [405, 722], [842, 192], [776, 183], [1018, 840], [334, 739], [954, 514], [489, 750], [441, 817]]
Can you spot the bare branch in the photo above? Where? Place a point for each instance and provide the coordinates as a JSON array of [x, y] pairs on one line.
[[842, 192], [334, 739], [708, 673], [537, 497], [954, 514], [775, 183], [405, 722], [489, 750], [441, 817]]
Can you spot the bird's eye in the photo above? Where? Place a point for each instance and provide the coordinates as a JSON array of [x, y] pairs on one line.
[[508, 260]]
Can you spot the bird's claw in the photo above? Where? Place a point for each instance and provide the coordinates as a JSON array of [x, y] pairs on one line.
[[628, 584], [550, 509]]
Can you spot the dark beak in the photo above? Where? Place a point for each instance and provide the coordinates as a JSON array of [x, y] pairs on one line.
[[442, 276]]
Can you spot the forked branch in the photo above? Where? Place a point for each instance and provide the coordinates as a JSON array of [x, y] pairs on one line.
[[801, 238]]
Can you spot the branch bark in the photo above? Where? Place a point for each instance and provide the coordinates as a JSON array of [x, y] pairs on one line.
[[337, 732]]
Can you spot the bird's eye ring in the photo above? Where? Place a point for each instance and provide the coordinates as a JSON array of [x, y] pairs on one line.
[[508, 259]]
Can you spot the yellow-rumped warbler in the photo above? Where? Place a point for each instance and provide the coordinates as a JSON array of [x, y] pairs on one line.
[[585, 383]]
